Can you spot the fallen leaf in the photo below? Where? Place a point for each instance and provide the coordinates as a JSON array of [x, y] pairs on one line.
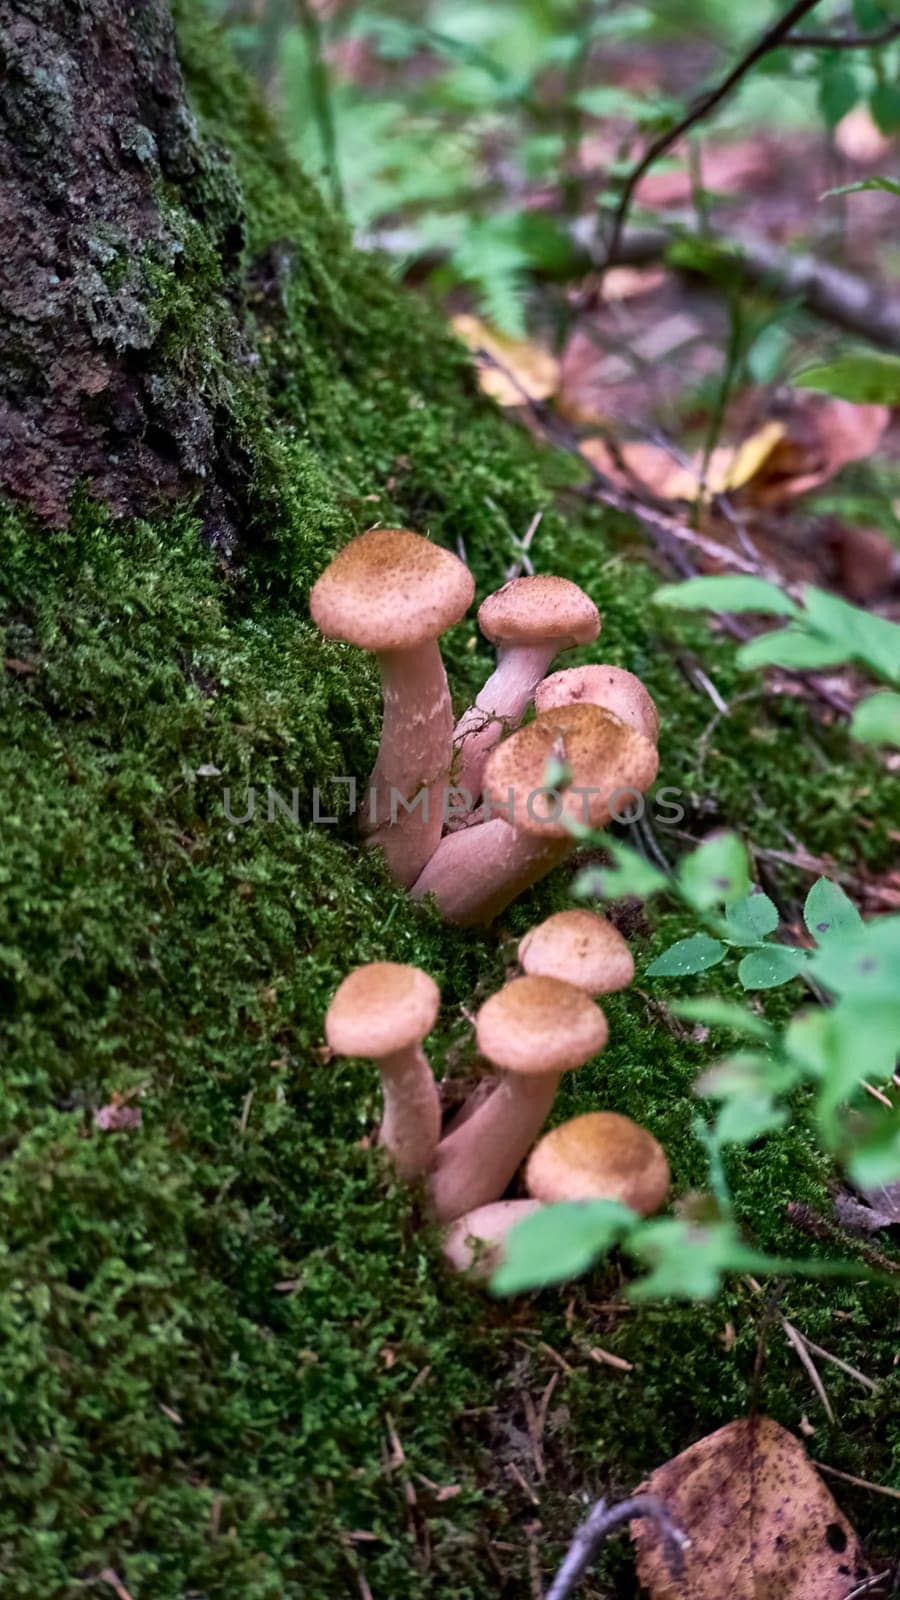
[[525, 369], [761, 1522], [866, 562], [727, 169], [780, 460], [628, 283], [729, 468]]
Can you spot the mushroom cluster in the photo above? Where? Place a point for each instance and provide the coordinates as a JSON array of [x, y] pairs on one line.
[[541, 1024], [472, 815]]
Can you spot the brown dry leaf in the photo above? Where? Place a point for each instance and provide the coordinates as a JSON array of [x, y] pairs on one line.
[[727, 170], [761, 1522], [730, 467], [525, 366], [628, 283], [779, 461]]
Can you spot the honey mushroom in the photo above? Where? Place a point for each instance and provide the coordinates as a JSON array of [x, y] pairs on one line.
[[599, 1156], [581, 948]]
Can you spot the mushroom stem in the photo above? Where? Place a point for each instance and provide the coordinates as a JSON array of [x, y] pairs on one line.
[[475, 1164], [411, 1122], [413, 759], [475, 873], [498, 709], [475, 1241]]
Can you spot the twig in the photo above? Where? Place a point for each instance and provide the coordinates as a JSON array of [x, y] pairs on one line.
[[700, 108], [843, 41], [861, 1483], [818, 1227], [600, 1523]]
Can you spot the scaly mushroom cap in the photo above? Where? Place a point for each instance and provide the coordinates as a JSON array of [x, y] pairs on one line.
[[539, 1025], [529, 610], [599, 1156], [390, 589], [600, 751], [613, 688], [380, 1009], [580, 948]]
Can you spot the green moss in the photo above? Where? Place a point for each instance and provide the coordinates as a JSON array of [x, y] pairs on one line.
[[216, 1325]]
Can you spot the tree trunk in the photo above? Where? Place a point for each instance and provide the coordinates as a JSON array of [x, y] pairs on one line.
[[105, 186]]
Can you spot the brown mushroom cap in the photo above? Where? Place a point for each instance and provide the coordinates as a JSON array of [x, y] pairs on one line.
[[540, 1025], [579, 947], [613, 688], [600, 751], [380, 1009], [390, 589], [529, 610], [599, 1156]]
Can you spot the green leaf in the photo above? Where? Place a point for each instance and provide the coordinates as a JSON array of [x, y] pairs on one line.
[[717, 1013], [687, 1262], [838, 91], [771, 965], [716, 873], [864, 965], [747, 1075], [884, 104], [865, 376], [559, 1241], [887, 185], [631, 875], [727, 594], [876, 719], [742, 1120], [862, 635], [751, 919], [828, 911], [791, 647], [875, 1158], [687, 956]]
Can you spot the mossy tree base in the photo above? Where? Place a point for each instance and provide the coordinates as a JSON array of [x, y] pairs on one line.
[[215, 1325]]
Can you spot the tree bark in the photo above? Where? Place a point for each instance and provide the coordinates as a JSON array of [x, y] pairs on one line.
[[104, 193]]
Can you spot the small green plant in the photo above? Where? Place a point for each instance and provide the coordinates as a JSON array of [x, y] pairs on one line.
[[818, 1060], [822, 631]]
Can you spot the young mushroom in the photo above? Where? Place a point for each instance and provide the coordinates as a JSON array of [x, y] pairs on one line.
[[613, 688], [474, 874], [599, 1156], [475, 1241], [529, 620], [383, 1012], [534, 1030], [392, 592], [581, 948]]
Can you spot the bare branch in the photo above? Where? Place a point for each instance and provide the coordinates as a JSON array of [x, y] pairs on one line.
[[601, 1521], [773, 36], [843, 41]]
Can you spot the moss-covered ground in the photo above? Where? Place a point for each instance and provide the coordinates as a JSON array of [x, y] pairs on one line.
[[232, 1364]]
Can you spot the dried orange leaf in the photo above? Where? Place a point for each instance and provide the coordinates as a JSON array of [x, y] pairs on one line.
[[761, 1522], [524, 371], [730, 467]]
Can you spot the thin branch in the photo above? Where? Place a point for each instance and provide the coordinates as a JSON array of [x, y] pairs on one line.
[[600, 1523], [699, 108], [845, 41]]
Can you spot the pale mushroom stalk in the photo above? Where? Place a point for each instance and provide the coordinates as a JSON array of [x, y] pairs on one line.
[[475, 1241], [528, 621], [476, 873], [474, 1165], [498, 709], [413, 761], [382, 1012], [393, 593], [533, 1030], [411, 1121]]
